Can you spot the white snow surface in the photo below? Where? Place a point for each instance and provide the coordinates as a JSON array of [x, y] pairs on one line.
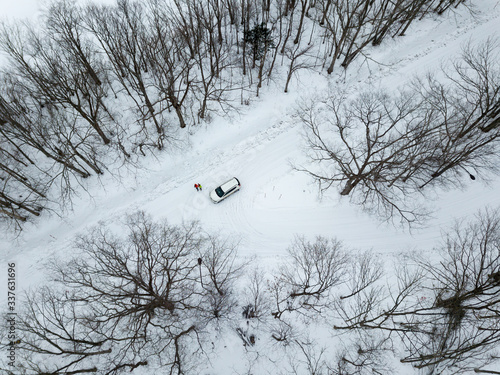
[[259, 146]]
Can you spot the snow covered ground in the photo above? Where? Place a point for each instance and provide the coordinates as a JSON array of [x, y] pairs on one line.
[[259, 146]]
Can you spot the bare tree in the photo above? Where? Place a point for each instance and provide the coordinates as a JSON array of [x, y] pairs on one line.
[[366, 353], [411, 10], [56, 134], [124, 36], [130, 297], [385, 150], [65, 23], [371, 144], [220, 268], [375, 306], [295, 54], [54, 76], [350, 26], [461, 326], [466, 107], [170, 62], [440, 6], [214, 57], [46, 151], [257, 298], [50, 326], [344, 20], [305, 4], [307, 276], [444, 310], [366, 270], [307, 358]]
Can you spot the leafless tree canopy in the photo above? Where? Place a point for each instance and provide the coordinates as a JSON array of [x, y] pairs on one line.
[[152, 294], [445, 307], [132, 297], [370, 147], [307, 276], [462, 323], [385, 152], [93, 85]]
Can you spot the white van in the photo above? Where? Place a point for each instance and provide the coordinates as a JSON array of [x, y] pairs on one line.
[[225, 190]]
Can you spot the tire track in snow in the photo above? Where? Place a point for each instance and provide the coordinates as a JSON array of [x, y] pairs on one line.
[[210, 171]]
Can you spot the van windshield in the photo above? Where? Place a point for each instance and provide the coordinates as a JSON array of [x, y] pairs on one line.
[[219, 192]]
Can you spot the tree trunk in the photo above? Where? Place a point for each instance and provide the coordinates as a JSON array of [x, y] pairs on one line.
[[350, 185]]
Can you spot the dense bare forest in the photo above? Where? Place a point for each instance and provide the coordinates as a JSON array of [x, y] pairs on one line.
[[148, 294], [93, 86]]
